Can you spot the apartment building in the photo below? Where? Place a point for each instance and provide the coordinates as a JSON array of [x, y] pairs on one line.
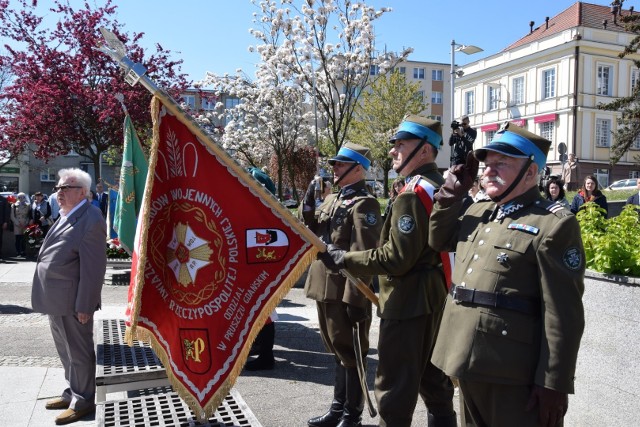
[[551, 82], [434, 89]]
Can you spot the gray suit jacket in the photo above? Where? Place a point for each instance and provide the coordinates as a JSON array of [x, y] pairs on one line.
[[71, 264]]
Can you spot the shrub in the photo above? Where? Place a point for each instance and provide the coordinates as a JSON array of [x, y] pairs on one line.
[[611, 245]]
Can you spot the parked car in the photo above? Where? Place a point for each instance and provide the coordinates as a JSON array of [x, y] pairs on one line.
[[624, 184]]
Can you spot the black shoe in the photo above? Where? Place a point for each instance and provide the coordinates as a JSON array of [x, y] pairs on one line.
[[260, 364], [344, 422], [330, 419]]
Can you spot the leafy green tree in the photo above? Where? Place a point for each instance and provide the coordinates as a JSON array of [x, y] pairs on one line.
[[379, 113], [629, 106]]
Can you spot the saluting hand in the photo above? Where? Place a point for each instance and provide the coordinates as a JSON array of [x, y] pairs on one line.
[[458, 182], [552, 405]]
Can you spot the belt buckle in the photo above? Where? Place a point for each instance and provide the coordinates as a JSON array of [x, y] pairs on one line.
[[455, 293]]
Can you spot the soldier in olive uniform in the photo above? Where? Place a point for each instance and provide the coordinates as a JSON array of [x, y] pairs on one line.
[[350, 220], [512, 326], [412, 285]]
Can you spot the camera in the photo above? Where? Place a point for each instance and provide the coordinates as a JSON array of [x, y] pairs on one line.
[[455, 124]]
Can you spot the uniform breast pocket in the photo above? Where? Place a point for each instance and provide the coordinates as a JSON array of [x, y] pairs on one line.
[[466, 246], [508, 252]]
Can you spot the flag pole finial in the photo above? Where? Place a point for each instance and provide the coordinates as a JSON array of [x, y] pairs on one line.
[[133, 71]]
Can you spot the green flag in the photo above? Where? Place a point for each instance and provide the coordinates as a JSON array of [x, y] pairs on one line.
[[133, 176]]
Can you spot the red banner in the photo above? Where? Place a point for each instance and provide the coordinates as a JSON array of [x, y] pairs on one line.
[[214, 254]]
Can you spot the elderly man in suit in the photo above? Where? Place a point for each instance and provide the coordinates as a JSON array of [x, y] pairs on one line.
[[635, 199], [67, 285]]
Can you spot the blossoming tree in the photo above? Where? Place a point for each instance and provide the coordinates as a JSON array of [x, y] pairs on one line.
[[328, 50]]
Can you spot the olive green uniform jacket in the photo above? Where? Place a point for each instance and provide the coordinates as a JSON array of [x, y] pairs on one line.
[[411, 280], [351, 220], [534, 253]]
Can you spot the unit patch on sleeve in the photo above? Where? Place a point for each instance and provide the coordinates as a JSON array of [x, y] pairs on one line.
[[572, 258], [406, 224], [370, 218]]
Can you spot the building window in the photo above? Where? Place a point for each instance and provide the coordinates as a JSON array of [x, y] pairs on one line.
[[436, 75], [420, 95], [634, 78], [418, 73], [438, 118], [229, 103], [489, 135], [546, 130], [517, 91], [603, 81], [634, 174], [374, 70], [190, 101], [549, 83], [469, 102], [9, 183], [48, 175], [208, 104], [403, 70], [493, 96], [636, 143], [436, 97], [602, 176], [603, 132]]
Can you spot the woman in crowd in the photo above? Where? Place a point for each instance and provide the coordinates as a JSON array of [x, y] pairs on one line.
[[20, 215], [41, 212], [397, 185], [554, 191], [589, 193]]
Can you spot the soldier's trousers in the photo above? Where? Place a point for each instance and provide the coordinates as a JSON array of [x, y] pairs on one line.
[[337, 333], [405, 371]]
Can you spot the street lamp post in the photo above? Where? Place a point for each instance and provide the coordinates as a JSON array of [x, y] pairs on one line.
[[455, 47]]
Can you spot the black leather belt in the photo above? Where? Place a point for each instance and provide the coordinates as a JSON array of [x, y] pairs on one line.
[[494, 299]]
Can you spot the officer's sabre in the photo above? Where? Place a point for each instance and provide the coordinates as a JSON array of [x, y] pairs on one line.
[[362, 287], [362, 373]]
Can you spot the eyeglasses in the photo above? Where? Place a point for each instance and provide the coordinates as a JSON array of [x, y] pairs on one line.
[[65, 187]]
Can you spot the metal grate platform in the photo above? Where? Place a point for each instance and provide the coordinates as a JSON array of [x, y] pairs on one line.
[[120, 367], [169, 410]]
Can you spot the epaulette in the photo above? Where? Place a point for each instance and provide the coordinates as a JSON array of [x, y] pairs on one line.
[[411, 185], [554, 207]]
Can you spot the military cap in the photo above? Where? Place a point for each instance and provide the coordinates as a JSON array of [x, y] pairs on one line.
[[514, 141], [353, 153], [418, 127]]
